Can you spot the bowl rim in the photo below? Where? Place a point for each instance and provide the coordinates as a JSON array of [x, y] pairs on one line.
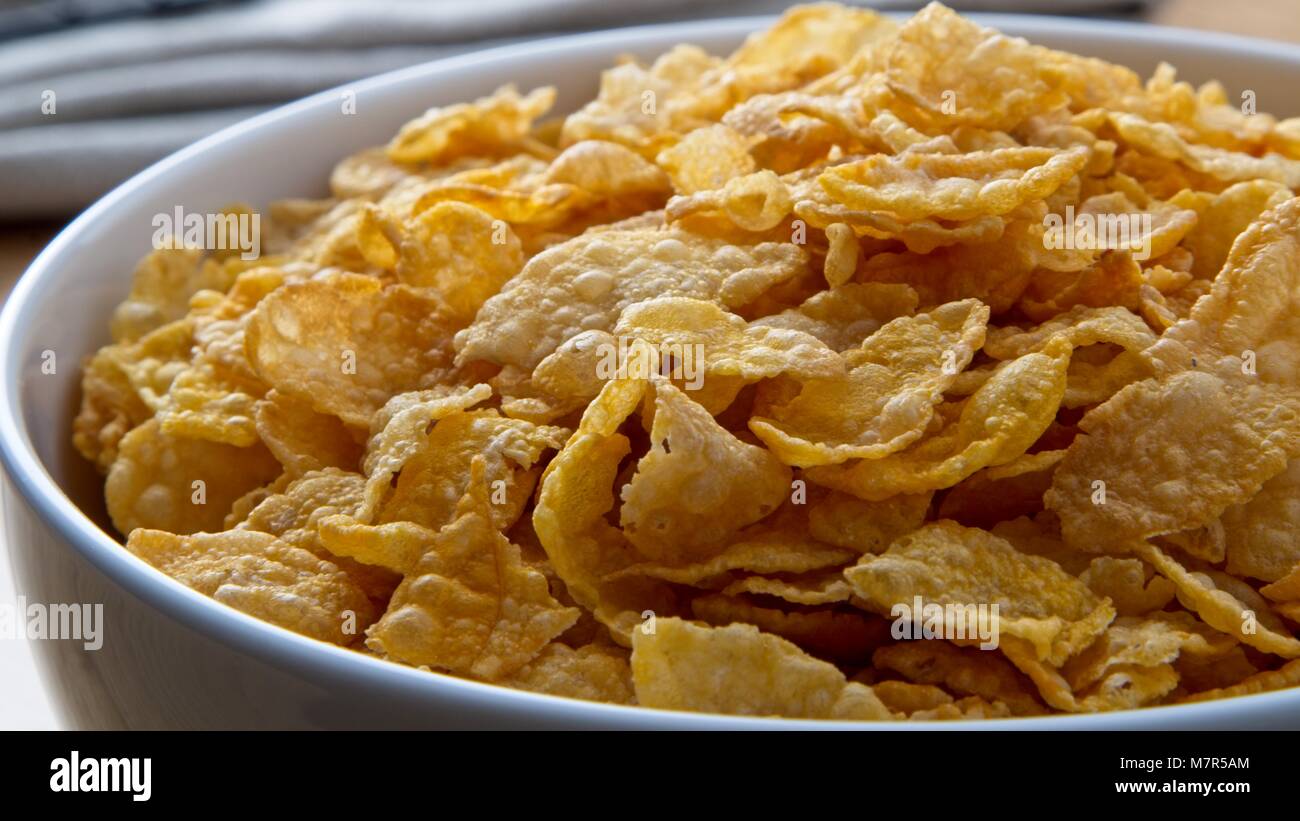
[[285, 649]]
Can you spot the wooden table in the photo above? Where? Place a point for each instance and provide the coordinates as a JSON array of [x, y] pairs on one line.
[[1274, 19]]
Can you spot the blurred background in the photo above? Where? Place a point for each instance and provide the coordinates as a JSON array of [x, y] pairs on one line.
[[91, 91]]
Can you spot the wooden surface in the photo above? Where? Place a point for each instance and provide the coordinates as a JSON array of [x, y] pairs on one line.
[[19, 244], [1274, 19]]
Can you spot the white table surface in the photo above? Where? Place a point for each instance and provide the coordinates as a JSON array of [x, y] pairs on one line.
[[23, 705]]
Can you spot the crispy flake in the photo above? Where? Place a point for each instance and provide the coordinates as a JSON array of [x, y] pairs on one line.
[[887, 398], [740, 671], [947, 564]]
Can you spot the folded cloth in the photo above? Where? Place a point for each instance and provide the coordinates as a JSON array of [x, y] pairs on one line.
[[56, 170]]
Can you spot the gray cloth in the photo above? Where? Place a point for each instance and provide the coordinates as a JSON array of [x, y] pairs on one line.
[[129, 92]]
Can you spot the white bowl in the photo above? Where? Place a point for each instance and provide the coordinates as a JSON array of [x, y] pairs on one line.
[[173, 658]]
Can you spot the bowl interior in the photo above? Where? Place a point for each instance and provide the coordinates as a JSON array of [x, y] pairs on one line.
[[63, 303]]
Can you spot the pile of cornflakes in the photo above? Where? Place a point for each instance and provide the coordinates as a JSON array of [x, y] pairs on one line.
[[876, 371]]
